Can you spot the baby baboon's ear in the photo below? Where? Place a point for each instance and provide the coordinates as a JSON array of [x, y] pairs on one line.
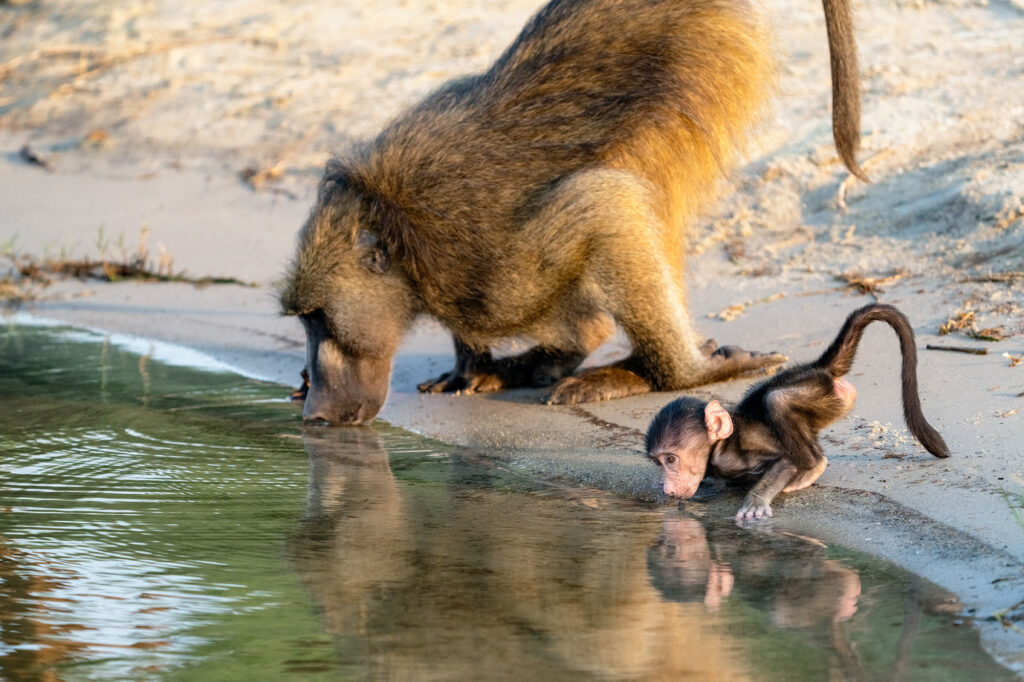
[[718, 421], [373, 257]]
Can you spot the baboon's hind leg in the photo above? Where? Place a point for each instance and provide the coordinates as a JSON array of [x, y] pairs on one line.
[[643, 293]]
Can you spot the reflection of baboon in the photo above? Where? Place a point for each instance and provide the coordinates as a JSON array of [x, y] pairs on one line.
[[354, 535], [444, 577], [799, 587], [544, 199], [806, 588]]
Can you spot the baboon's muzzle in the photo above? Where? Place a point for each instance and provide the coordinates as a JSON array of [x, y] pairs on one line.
[[343, 389]]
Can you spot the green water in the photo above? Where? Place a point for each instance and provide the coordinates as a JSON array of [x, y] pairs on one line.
[[167, 522]]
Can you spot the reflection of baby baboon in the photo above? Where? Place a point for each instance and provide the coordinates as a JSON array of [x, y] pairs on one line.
[[544, 199], [806, 588]]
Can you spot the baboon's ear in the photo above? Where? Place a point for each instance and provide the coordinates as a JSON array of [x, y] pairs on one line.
[[717, 421], [400, 237], [373, 255]]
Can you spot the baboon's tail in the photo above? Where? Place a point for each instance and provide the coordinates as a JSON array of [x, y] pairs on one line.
[[838, 359], [842, 47]]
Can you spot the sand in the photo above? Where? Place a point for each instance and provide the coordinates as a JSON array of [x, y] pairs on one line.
[[146, 114]]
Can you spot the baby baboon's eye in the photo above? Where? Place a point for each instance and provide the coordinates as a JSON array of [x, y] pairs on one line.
[[671, 459]]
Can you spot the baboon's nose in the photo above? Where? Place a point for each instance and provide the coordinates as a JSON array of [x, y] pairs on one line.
[[350, 417], [316, 420]]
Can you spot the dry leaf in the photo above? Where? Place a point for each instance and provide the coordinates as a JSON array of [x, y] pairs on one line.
[[735, 310], [257, 177], [989, 334], [954, 324], [869, 285]]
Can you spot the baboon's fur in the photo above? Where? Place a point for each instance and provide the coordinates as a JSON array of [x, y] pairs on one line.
[[552, 191]]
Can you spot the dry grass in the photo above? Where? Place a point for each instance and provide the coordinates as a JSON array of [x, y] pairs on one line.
[[967, 323], [24, 278]]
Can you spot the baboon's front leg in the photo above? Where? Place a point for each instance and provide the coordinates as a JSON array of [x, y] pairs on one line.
[[473, 372], [479, 372]]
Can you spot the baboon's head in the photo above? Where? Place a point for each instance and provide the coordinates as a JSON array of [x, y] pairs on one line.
[[354, 301]]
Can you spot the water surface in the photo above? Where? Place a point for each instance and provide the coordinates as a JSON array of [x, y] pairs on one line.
[[166, 522]]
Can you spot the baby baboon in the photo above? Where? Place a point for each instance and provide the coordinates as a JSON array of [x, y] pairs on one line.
[[772, 434], [545, 199]]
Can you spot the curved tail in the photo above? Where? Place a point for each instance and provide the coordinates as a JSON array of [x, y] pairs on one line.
[[838, 358], [842, 49]]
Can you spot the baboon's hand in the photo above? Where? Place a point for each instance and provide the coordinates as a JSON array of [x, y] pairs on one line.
[[299, 394], [754, 508], [467, 381]]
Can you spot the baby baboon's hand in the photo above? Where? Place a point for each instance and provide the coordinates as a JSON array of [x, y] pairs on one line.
[[754, 507]]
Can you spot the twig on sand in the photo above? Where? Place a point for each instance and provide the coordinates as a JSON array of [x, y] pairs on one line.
[[966, 322], [257, 176], [45, 53], [257, 179], [100, 61], [23, 277], [1011, 276], [959, 349]]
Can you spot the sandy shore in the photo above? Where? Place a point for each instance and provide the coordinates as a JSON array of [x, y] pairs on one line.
[[146, 119]]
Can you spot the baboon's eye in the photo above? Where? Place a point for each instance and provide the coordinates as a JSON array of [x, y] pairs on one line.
[[375, 258], [377, 261], [671, 459]]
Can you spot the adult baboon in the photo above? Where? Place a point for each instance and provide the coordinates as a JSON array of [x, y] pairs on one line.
[[544, 199]]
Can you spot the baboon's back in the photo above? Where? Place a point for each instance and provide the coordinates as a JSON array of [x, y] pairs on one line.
[[664, 88]]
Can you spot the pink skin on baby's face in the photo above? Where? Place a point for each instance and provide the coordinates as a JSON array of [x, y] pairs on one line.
[[683, 464], [682, 471]]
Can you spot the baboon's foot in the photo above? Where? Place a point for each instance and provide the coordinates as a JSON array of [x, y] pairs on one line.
[[299, 394], [726, 362], [466, 380], [600, 383]]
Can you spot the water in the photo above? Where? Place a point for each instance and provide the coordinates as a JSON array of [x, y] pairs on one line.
[[165, 522]]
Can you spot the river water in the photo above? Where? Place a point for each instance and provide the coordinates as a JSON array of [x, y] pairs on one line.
[[159, 521]]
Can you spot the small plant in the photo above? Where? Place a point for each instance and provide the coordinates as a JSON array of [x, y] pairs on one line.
[[23, 277]]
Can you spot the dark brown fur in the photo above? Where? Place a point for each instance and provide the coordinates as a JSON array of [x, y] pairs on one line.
[[542, 199], [772, 434]]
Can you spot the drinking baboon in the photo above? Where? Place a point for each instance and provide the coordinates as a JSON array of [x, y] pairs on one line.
[[545, 199]]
